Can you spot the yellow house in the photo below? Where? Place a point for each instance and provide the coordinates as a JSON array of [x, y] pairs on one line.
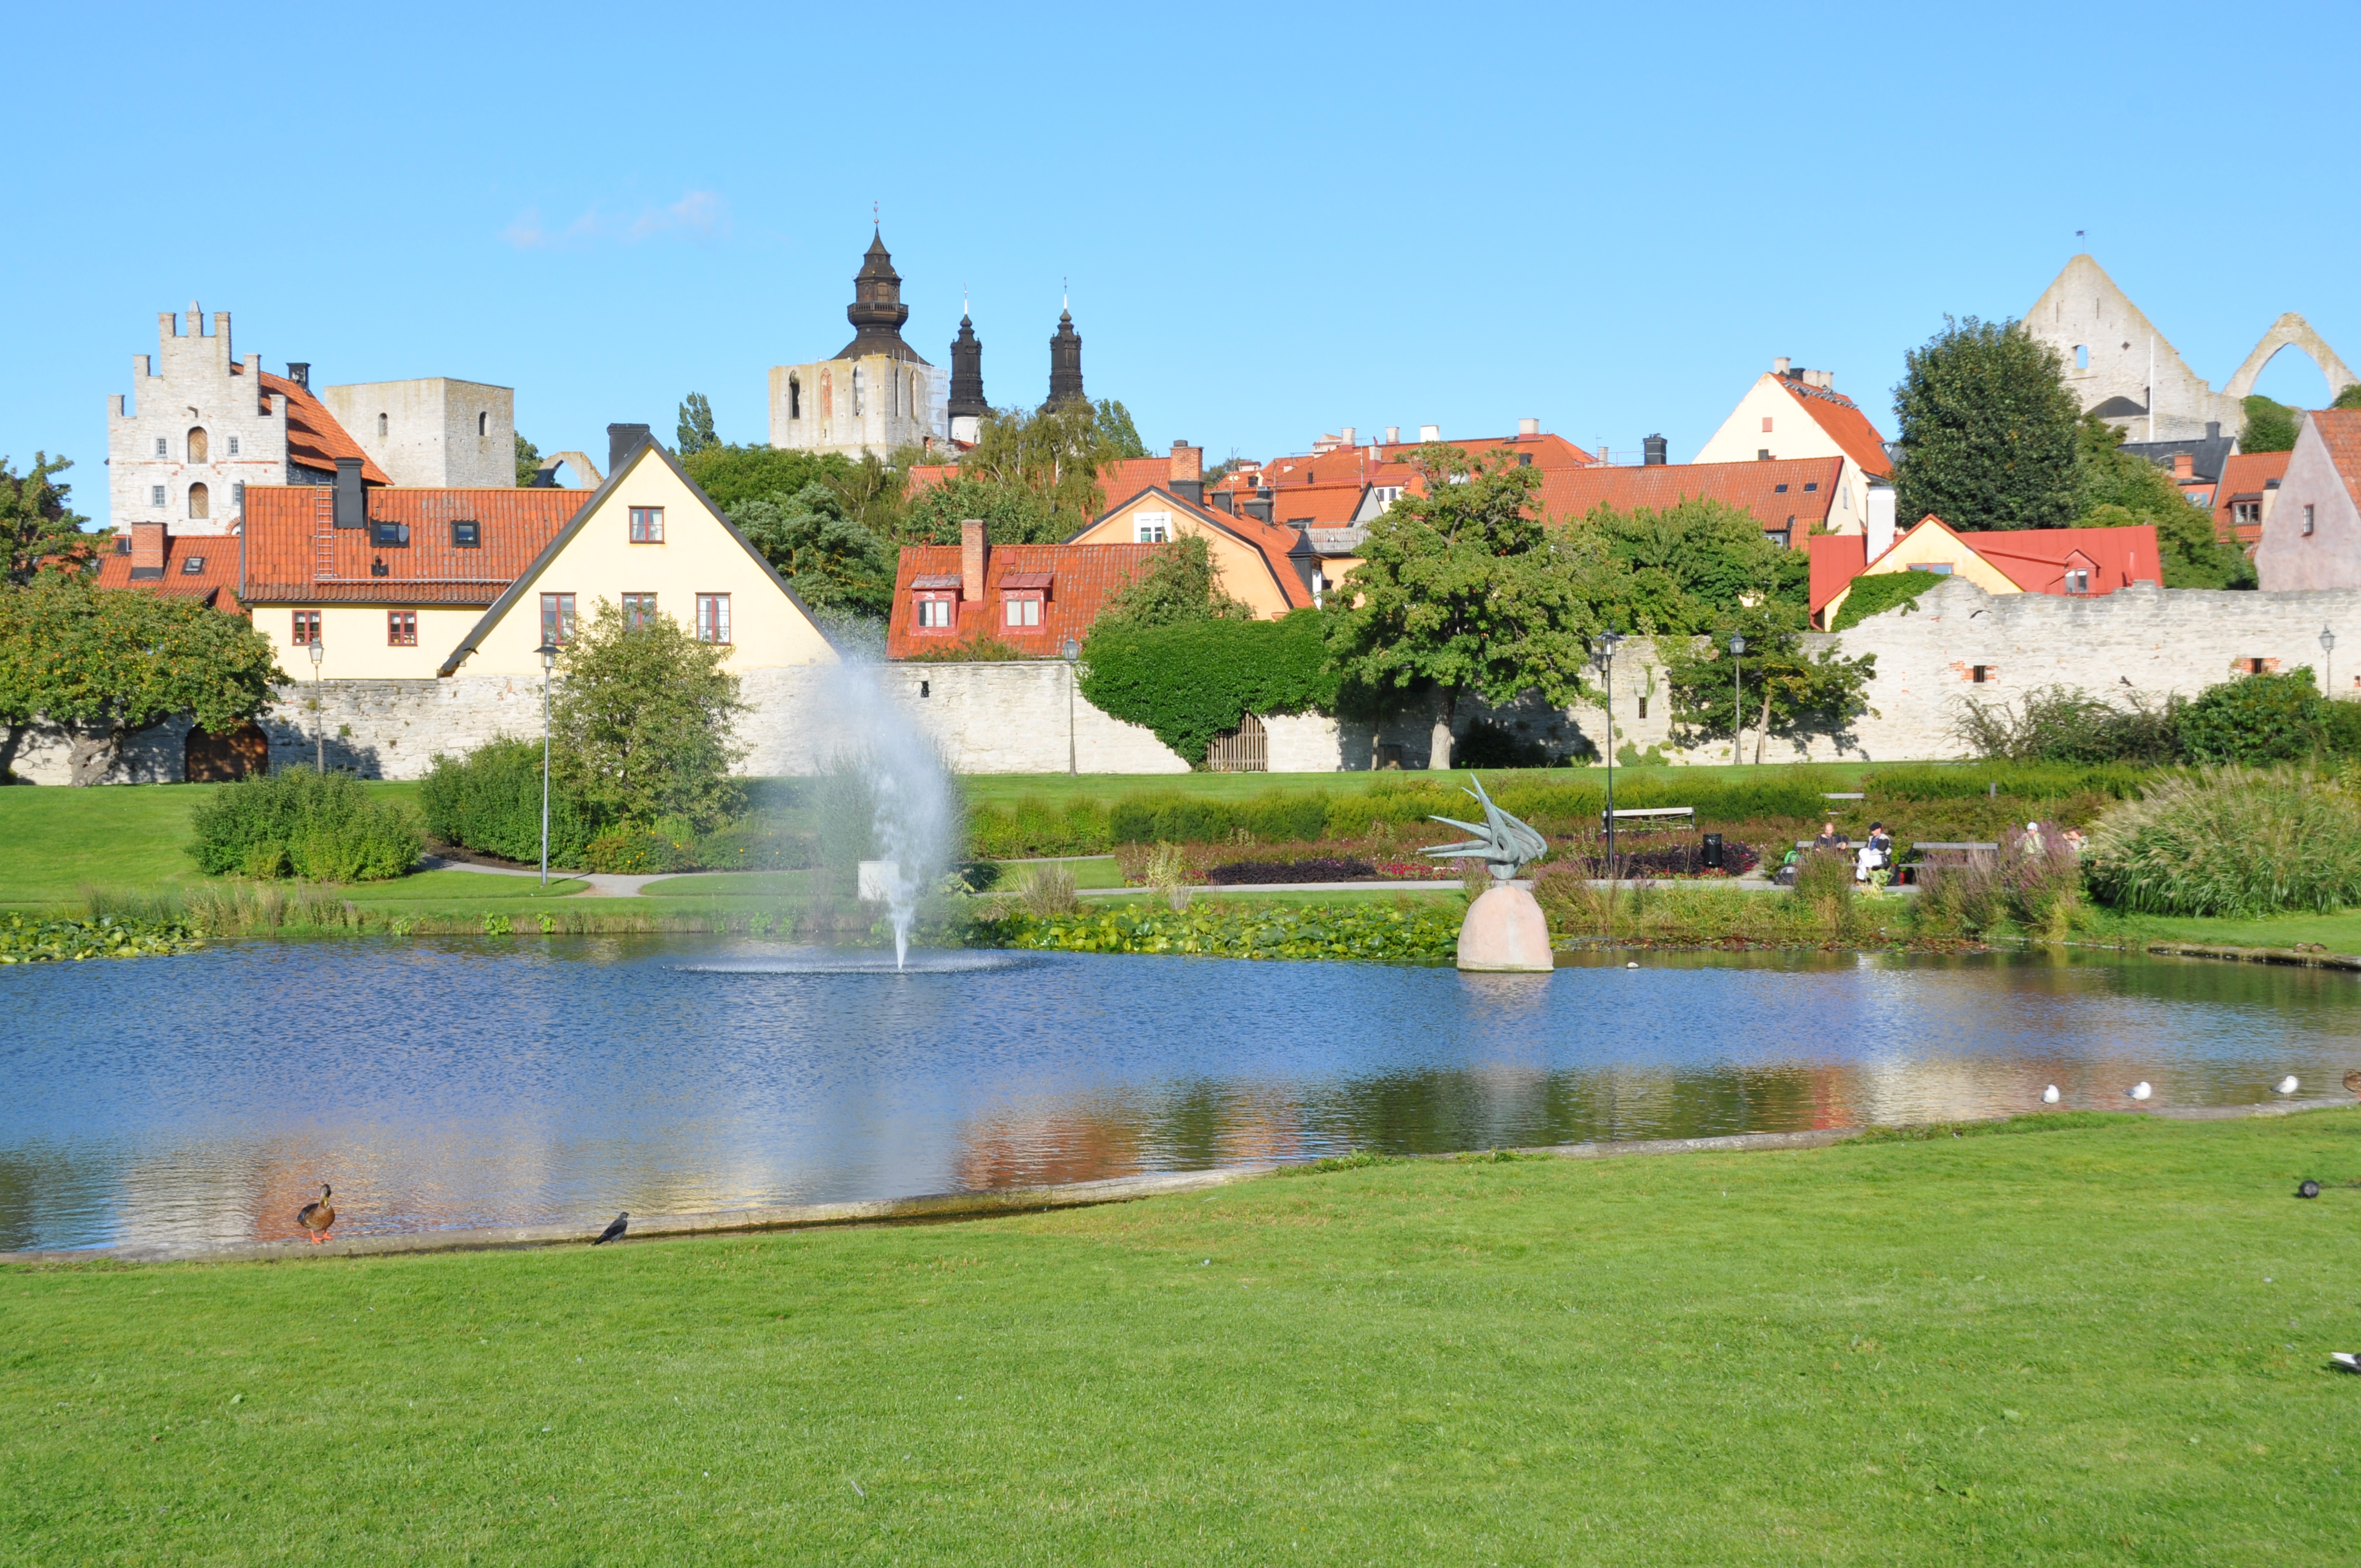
[[649, 541], [1270, 567], [1794, 412]]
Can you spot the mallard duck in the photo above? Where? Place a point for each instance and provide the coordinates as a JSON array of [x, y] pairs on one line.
[[317, 1217], [2353, 1080]]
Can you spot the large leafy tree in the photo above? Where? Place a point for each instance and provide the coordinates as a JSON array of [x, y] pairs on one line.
[[833, 560], [733, 475], [1115, 427], [646, 720], [1988, 431], [696, 431], [528, 461], [2270, 426], [37, 524], [1011, 514], [102, 665], [1460, 591], [1785, 687], [1681, 569], [2121, 489]]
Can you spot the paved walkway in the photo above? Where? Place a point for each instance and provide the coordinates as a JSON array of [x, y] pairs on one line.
[[603, 884]]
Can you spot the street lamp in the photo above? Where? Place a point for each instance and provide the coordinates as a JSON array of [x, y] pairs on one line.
[[1071, 651], [2327, 646], [319, 737], [1737, 700], [1602, 654], [548, 652]]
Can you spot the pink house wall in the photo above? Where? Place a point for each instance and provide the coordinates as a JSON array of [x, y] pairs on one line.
[[2330, 556]]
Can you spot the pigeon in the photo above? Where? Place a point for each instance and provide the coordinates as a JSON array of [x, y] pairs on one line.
[[317, 1217], [2139, 1091], [614, 1231], [2050, 1095], [2287, 1085], [2345, 1359], [2309, 1190]]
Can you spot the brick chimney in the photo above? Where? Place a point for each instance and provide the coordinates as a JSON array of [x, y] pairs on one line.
[[972, 559], [2184, 465], [1187, 477], [146, 550]]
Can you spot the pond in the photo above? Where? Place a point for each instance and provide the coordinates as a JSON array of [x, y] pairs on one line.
[[446, 1084]]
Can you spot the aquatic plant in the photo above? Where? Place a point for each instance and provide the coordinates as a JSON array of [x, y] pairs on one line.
[[1422, 931], [28, 939]]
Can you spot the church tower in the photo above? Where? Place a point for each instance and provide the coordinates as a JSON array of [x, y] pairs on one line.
[[967, 405], [877, 395], [1065, 363]]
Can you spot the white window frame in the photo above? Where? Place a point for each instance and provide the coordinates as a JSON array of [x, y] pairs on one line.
[[155, 495], [1151, 528], [1020, 609], [233, 445]]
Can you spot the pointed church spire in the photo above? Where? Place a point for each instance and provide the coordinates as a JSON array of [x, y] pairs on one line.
[[1065, 361], [877, 312], [967, 371]]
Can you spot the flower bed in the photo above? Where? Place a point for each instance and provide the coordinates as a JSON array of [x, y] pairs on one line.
[[1325, 869]]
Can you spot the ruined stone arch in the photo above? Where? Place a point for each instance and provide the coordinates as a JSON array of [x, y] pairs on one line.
[[2291, 331]]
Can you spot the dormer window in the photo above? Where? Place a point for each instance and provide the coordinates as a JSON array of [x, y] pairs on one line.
[[192, 566], [936, 611], [2078, 581], [1021, 608]]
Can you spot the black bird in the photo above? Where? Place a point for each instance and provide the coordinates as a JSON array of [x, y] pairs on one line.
[[614, 1232], [2309, 1190]]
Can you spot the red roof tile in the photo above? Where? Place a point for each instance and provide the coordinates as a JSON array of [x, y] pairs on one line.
[[314, 439], [1271, 541], [2037, 559], [1323, 505], [2340, 431], [1790, 493], [215, 580], [287, 526], [1846, 424], [1837, 560], [1081, 576]]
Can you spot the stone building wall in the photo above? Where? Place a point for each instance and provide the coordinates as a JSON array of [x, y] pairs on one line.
[[192, 383], [437, 433]]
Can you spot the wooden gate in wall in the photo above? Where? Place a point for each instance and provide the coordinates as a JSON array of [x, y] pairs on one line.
[[1246, 749]]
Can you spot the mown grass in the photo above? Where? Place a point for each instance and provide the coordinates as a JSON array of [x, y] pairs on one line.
[[2093, 1345], [1007, 789]]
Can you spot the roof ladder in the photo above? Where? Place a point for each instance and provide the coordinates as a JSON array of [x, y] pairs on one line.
[[324, 534]]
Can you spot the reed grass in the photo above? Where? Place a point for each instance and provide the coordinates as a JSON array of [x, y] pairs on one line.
[[2232, 841]]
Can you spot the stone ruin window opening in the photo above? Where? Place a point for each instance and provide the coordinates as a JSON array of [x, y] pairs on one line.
[[163, 447], [2257, 666], [155, 495], [2307, 517], [233, 445], [795, 397], [200, 449], [2081, 356], [201, 501], [857, 398], [1979, 673], [483, 423], [383, 424]]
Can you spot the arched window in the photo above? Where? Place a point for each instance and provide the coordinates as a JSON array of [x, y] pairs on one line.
[[201, 501], [380, 424], [200, 450], [2081, 356], [794, 398], [483, 423]]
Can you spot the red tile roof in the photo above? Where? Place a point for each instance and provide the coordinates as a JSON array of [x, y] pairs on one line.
[[1837, 560], [1393, 463], [1846, 424], [2036, 559], [215, 581], [1323, 505], [314, 439], [287, 530], [1271, 541], [2245, 477], [1081, 576], [1810, 490], [2340, 431]]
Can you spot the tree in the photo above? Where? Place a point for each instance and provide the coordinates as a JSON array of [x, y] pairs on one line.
[[833, 562], [731, 475], [2121, 488], [102, 665], [1459, 590], [1115, 425], [1011, 514], [528, 461], [1787, 689], [696, 426], [645, 719], [36, 523], [2270, 426], [2350, 398], [1055, 454], [1180, 585], [1678, 570], [1189, 680], [1988, 431]]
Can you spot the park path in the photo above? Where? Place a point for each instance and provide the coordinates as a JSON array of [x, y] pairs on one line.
[[604, 885]]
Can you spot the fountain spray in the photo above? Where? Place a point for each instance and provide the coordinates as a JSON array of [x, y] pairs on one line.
[[915, 818]]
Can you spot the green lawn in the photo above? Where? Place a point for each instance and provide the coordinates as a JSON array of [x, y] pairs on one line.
[[2339, 933], [2074, 1346], [732, 885], [1006, 789]]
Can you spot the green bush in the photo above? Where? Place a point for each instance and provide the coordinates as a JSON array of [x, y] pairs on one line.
[[1190, 819], [1192, 680], [1034, 826], [489, 800], [2256, 719], [297, 822], [2231, 841], [2067, 724], [1874, 594]]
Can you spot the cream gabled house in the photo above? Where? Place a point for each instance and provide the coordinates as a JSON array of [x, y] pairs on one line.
[[649, 540]]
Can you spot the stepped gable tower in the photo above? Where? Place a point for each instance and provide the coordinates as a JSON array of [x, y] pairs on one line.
[[1065, 363], [967, 405], [877, 312], [874, 396]]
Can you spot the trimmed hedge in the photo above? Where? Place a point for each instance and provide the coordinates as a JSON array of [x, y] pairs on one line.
[[296, 822], [1192, 681], [2026, 781], [490, 800]]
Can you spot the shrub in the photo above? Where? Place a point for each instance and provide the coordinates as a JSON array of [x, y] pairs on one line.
[[2067, 724], [1188, 819], [1190, 681], [1488, 743], [635, 852], [1876, 593], [297, 822], [2026, 781], [1048, 891], [2256, 719], [2032, 880], [490, 800], [646, 717], [2231, 841], [1168, 872]]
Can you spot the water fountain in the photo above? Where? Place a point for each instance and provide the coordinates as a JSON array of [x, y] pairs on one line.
[[913, 812]]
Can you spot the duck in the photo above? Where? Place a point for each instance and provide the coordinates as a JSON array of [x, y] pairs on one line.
[[2353, 1080], [2139, 1091], [317, 1217], [2050, 1095]]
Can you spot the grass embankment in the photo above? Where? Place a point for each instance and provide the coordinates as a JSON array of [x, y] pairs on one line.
[[2092, 1344]]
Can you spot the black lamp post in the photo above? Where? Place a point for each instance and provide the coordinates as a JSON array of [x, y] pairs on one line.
[[548, 652], [1071, 651], [1602, 654], [319, 710], [1737, 700]]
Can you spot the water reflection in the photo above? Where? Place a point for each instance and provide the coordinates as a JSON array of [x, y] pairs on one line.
[[203, 1099]]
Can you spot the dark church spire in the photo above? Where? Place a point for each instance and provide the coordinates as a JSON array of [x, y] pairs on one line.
[[967, 373], [877, 312], [1065, 363]]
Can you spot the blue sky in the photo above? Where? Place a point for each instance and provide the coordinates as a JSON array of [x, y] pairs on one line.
[[1276, 221]]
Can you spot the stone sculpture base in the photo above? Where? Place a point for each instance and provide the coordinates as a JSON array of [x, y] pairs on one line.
[[1504, 932]]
